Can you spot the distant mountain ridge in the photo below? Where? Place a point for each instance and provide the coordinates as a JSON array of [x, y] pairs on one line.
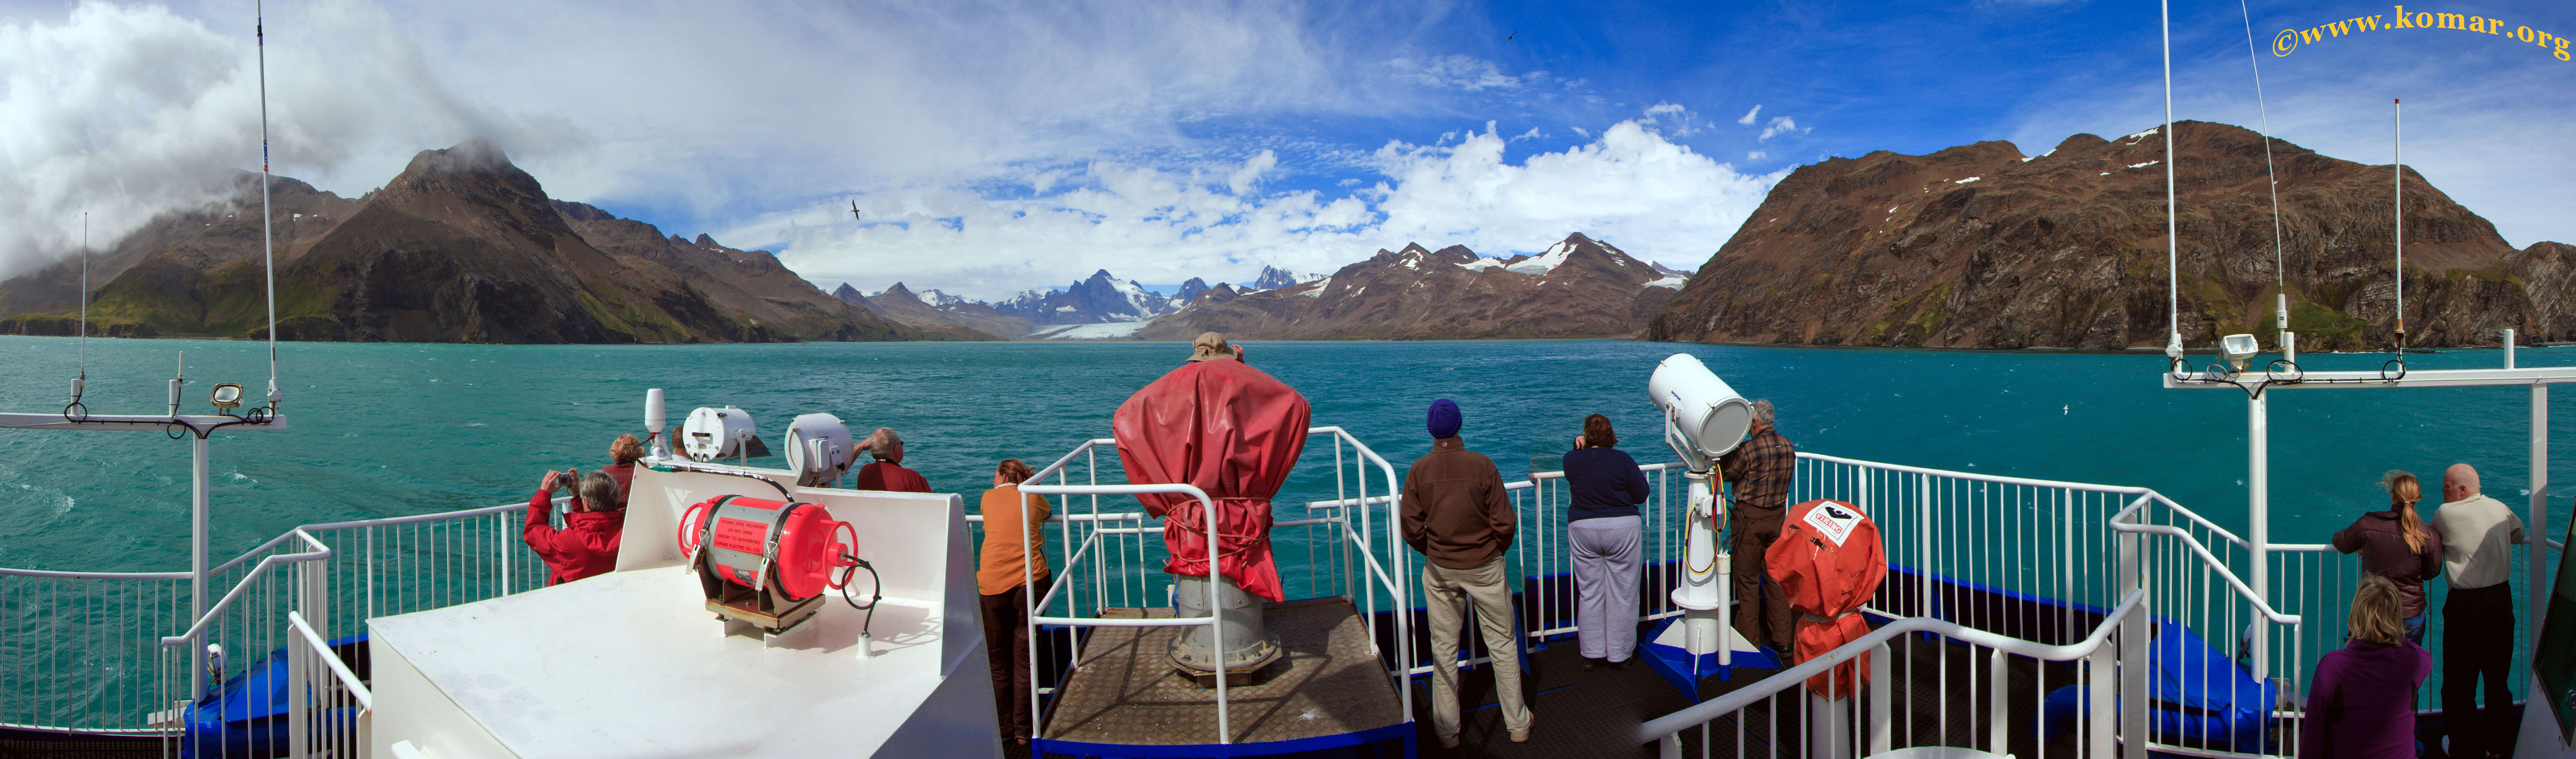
[[462, 246], [1980, 246], [1577, 287]]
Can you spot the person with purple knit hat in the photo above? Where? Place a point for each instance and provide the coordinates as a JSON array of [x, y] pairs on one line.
[[1457, 514]]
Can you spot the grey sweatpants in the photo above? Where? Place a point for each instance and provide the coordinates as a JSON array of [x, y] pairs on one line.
[[1446, 593], [1606, 563]]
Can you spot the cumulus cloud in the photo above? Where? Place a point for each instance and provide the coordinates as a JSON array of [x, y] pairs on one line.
[[129, 112], [1750, 115], [1631, 186]]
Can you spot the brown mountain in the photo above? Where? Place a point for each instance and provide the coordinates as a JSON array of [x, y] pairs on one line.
[[1576, 288], [900, 304], [173, 254], [1978, 246], [461, 247]]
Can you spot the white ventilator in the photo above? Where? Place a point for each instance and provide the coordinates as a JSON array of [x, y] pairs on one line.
[[819, 449], [1703, 419], [655, 420]]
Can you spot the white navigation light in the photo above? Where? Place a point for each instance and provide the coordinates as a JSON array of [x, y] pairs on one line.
[[711, 434], [2237, 349], [1711, 417], [819, 449]]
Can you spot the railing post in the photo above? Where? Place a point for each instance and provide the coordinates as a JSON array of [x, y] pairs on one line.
[[2098, 677], [1923, 548], [2258, 532], [299, 692], [1882, 720], [2133, 649]]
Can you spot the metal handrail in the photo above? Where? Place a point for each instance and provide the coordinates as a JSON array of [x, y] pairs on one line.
[[348, 679], [1214, 620], [1671, 724], [2206, 558], [318, 553]]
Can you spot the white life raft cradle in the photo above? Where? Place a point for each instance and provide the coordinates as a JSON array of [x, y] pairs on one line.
[[767, 563]]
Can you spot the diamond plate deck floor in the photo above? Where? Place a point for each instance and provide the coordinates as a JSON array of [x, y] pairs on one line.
[[1126, 692]]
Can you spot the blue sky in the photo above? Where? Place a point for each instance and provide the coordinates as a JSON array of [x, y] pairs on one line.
[[1001, 146]]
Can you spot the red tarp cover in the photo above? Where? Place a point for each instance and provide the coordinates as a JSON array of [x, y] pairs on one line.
[[1829, 562], [1230, 430]]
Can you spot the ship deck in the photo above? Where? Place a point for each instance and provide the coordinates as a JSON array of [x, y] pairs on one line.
[[1327, 684]]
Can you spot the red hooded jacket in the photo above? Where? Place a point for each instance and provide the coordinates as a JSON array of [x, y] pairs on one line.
[[587, 544]]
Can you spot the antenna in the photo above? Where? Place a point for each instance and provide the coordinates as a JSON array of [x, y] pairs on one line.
[[2280, 264], [267, 236], [2397, 145], [2173, 277]]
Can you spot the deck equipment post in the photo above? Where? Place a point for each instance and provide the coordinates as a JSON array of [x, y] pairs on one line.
[[197, 562], [2258, 532], [2536, 524]]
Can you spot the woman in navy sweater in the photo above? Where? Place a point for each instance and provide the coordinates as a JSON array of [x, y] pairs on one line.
[[1605, 534]]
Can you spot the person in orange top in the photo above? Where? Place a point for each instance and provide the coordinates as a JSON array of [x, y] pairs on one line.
[[1014, 560]]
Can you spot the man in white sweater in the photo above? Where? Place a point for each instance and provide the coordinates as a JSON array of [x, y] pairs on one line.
[[2478, 535]]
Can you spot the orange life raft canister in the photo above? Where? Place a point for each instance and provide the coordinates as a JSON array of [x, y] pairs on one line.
[[1828, 561]]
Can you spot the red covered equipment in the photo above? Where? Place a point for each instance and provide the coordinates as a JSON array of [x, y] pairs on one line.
[[1828, 561], [1233, 432]]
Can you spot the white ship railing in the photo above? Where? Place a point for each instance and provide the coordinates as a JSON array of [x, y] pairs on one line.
[[1788, 719], [335, 723], [86, 652], [2030, 562], [1113, 559]]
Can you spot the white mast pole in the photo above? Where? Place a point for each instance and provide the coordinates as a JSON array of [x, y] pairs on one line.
[[2397, 174], [2173, 277], [268, 238], [2280, 263]]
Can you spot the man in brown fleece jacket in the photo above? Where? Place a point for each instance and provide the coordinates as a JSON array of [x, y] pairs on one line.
[[1456, 513]]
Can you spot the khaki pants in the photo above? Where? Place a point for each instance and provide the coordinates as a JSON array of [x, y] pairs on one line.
[[1446, 593], [1762, 615]]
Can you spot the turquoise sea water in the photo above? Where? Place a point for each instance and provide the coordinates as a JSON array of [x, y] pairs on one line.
[[381, 430], [385, 430]]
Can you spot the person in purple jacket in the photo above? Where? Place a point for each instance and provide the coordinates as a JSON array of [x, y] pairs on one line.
[[2361, 705], [1605, 533]]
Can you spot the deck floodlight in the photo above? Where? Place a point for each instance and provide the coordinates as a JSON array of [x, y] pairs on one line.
[[227, 395], [2238, 349]]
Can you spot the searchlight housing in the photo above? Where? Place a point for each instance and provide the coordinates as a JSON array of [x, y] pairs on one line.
[[713, 434], [1704, 418], [819, 449]]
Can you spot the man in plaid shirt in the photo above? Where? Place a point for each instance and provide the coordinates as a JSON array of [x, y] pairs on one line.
[[1760, 470]]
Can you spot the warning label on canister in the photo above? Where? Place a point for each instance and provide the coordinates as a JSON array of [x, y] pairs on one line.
[[740, 535]]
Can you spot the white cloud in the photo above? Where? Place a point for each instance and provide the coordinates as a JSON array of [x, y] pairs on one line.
[[1749, 115], [126, 112], [1454, 71], [1631, 187], [1243, 179], [1756, 155], [1783, 125]]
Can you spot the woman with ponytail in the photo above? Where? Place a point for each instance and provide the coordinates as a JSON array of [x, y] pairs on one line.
[[2397, 545]]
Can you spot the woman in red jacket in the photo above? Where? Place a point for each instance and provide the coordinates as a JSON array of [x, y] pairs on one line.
[[587, 543]]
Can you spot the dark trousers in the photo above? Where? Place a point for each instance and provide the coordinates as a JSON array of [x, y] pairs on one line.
[[1006, 649], [1762, 613], [2477, 641]]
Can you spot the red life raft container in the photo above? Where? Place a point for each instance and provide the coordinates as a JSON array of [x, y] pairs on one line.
[[1829, 561], [762, 561]]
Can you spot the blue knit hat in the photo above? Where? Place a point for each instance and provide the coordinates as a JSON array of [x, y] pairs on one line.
[[1443, 420]]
